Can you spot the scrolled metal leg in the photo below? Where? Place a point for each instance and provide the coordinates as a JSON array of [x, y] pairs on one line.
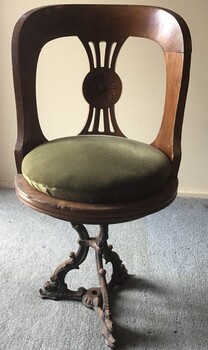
[[95, 298], [104, 311], [56, 288], [99, 298]]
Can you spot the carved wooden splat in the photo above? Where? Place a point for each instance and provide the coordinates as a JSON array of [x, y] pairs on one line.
[[102, 87]]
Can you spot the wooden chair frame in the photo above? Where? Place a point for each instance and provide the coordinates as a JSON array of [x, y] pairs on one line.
[[94, 24]]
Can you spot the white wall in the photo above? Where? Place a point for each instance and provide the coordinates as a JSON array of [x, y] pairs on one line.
[[193, 174]]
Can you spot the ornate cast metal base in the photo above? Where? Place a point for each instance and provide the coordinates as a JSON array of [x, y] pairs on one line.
[[95, 298]]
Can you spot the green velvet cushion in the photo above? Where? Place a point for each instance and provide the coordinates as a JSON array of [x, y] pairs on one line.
[[96, 169]]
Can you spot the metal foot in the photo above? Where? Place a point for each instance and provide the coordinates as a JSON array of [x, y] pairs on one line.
[[94, 298]]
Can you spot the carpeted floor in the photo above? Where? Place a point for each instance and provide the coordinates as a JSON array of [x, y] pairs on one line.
[[164, 305]]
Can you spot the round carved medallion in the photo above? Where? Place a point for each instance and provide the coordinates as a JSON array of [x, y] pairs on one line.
[[102, 87]]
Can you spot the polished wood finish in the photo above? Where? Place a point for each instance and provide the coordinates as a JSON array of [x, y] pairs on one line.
[[102, 88], [95, 213], [94, 24]]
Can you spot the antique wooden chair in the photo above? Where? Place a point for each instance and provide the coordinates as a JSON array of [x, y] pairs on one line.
[[98, 177]]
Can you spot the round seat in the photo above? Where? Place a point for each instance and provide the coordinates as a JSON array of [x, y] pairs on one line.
[[96, 169]]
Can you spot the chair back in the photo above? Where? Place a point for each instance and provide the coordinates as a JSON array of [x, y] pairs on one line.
[[102, 87]]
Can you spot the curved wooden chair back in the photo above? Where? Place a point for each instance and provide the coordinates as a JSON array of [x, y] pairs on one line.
[[94, 24]]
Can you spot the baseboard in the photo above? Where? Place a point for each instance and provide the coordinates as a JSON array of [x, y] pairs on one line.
[[7, 184], [192, 194]]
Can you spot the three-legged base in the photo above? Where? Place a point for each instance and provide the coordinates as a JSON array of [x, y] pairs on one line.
[[96, 298]]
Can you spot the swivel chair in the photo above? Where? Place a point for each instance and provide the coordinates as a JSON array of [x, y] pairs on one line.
[[98, 177]]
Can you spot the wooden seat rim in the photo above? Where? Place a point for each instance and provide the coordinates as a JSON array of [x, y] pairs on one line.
[[95, 213]]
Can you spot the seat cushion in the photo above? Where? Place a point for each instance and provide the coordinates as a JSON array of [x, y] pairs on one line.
[[96, 169]]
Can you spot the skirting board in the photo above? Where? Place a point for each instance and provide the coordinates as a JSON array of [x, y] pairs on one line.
[[192, 194], [7, 184]]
